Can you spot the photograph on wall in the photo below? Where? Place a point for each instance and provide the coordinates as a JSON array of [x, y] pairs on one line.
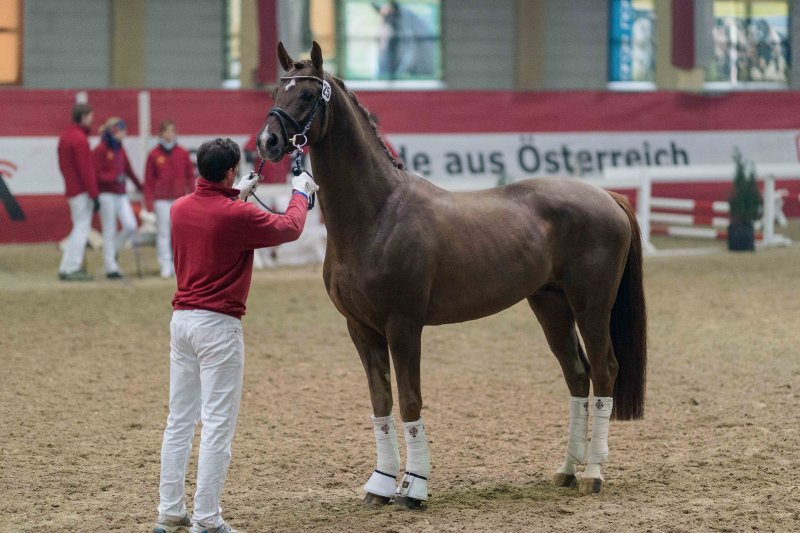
[[398, 40], [751, 41]]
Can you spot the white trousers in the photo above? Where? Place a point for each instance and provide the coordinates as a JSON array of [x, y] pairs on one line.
[[115, 207], [81, 208], [205, 383], [163, 237]]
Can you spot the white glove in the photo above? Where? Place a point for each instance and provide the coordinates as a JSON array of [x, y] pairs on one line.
[[148, 217], [247, 186], [304, 184]]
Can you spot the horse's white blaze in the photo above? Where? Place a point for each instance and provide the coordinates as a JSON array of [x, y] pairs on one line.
[[383, 480], [289, 85], [261, 141], [578, 426]]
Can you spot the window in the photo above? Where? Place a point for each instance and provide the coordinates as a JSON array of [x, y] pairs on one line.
[[10, 42], [750, 42], [632, 48], [390, 41], [233, 44]]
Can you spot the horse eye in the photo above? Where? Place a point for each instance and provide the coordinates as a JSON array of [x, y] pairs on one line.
[[307, 95]]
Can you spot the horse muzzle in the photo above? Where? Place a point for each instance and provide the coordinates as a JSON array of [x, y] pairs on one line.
[[270, 145]]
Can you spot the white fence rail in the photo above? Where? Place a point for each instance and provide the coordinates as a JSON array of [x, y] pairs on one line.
[[642, 178]]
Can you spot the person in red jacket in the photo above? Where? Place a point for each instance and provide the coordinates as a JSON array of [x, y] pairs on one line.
[[75, 162], [113, 170], [168, 175], [213, 238]]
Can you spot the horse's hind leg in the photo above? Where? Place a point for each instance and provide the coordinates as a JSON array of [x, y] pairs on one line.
[[555, 315], [405, 344], [593, 319], [374, 353]]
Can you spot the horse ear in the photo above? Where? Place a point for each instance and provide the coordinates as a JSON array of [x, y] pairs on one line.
[[283, 57], [316, 56]]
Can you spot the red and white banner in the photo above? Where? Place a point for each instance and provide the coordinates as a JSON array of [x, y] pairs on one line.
[[455, 139]]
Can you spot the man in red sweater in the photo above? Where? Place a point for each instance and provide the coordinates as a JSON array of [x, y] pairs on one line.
[[213, 238], [168, 175], [75, 161]]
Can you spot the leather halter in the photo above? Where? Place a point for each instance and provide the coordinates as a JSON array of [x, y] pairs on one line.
[[299, 139]]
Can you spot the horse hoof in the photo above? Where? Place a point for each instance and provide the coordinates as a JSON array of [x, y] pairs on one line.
[[373, 500], [564, 480], [590, 486], [409, 503]]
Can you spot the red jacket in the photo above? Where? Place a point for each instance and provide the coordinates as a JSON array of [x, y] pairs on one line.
[[213, 238], [167, 175], [75, 161], [109, 165]]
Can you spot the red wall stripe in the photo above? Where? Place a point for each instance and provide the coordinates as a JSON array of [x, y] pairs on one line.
[[198, 112]]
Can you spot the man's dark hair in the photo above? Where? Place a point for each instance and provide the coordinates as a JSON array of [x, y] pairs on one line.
[[216, 157], [79, 111]]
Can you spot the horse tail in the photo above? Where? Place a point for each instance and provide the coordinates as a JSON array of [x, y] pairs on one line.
[[629, 327]]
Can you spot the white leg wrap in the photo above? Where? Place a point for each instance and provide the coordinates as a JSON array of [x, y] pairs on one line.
[[383, 481], [418, 463], [598, 448], [578, 426]]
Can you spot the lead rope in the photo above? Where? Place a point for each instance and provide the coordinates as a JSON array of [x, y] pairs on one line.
[[297, 169]]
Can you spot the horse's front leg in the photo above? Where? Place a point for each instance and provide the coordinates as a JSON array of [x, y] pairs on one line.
[[405, 344], [374, 353]]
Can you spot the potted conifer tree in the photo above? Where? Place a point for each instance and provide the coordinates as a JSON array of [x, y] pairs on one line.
[[745, 206]]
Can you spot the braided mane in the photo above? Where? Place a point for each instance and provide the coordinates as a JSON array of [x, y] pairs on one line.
[[364, 111]]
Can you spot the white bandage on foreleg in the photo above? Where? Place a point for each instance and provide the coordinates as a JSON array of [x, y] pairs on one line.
[[418, 463], [601, 413], [383, 479], [578, 427]]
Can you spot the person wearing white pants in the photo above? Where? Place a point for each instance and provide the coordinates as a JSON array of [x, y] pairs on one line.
[[161, 209], [168, 175], [75, 162], [113, 170], [213, 241], [113, 208], [206, 370]]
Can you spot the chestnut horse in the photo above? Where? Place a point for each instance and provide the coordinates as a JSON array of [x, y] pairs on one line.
[[403, 253]]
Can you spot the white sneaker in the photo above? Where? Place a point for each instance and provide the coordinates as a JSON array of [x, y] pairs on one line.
[[224, 528], [171, 525]]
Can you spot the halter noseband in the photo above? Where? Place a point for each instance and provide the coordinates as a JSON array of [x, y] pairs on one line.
[[299, 139]]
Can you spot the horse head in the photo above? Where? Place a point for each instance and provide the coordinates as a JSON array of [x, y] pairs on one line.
[[298, 116]]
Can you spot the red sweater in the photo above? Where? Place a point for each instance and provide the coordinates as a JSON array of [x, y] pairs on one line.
[[167, 175], [213, 238], [108, 165], [75, 161]]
